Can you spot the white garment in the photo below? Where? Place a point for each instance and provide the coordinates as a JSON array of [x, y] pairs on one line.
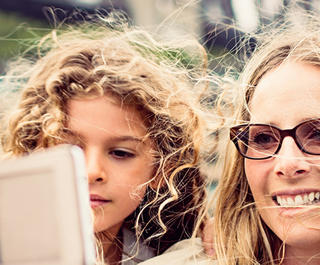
[[130, 248], [185, 252]]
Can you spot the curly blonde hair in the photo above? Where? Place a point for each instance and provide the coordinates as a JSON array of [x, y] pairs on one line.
[[159, 79], [241, 236]]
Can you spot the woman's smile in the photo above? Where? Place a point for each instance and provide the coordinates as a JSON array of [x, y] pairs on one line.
[[296, 200]]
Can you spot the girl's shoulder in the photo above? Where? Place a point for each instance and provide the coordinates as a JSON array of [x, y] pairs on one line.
[[131, 249], [185, 252]]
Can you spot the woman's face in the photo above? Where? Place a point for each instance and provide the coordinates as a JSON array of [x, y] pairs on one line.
[[285, 97], [119, 160]]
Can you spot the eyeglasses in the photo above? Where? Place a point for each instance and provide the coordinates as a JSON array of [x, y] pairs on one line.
[[262, 141]]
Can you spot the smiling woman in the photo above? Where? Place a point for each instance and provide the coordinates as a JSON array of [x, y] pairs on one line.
[[267, 209], [290, 178]]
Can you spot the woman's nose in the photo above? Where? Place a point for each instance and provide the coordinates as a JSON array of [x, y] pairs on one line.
[[290, 160], [95, 169]]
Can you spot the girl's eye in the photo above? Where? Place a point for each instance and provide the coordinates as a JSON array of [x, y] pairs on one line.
[[121, 154]]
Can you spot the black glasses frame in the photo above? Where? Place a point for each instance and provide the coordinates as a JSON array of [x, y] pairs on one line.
[[234, 137]]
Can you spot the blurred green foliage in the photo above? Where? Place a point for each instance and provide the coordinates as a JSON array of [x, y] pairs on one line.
[[17, 34]]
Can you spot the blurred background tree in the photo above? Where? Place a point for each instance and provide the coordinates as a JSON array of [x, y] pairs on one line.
[[22, 20], [16, 32]]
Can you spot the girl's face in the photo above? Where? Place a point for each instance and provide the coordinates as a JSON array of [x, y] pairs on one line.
[[285, 97], [119, 160]]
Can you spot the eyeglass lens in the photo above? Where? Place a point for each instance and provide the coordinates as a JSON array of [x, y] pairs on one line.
[[263, 141], [308, 135]]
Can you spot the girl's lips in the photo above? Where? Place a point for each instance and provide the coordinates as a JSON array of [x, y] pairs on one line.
[[96, 200]]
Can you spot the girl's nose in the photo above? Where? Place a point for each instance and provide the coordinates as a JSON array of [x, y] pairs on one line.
[[95, 169], [291, 161]]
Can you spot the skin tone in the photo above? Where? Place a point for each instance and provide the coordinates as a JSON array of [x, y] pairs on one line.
[[119, 161], [285, 97], [207, 237]]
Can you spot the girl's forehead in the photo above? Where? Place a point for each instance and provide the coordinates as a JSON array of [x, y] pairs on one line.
[[125, 104], [104, 109], [287, 95]]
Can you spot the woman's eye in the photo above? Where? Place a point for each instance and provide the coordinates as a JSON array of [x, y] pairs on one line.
[[121, 154], [264, 139]]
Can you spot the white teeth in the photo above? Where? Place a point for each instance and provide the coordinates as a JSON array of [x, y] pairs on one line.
[[311, 196], [298, 200], [279, 200], [290, 201]]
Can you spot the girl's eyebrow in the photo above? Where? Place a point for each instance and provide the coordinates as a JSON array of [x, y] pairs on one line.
[[121, 138], [126, 138]]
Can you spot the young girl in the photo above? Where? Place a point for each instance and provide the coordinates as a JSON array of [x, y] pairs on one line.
[[130, 103], [267, 209]]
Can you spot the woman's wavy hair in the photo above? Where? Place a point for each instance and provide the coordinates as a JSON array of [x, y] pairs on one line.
[[162, 80], [241, 236]]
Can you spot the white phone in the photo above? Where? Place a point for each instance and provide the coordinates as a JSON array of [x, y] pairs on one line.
[[45, 215]]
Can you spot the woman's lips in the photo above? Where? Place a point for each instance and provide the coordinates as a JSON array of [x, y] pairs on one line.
[[296, 198], [291, 203], [96, 200]]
